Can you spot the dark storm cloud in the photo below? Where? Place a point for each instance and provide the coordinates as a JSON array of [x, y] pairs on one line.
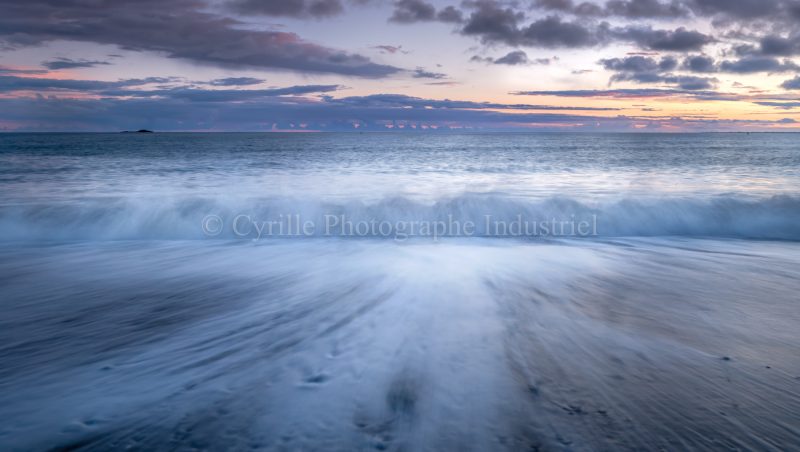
[[288, 8], [517, 57], [791, 84], [178, 29], [236, 81], [67, 63]]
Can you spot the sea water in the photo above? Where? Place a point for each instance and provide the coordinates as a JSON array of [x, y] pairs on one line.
[[203, 291]]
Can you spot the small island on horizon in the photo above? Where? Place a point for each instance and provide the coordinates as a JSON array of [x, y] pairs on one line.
[[137, 131]]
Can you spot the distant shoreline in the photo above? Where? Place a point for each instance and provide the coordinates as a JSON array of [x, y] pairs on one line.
[[395, 132]]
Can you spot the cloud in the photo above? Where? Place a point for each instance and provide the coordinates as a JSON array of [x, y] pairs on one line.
[[67, 63], [626, 93], [689, 82], [178, 29], [422, 73], [684, 82], [641, 69], [555, 5], [236, 81], [494, 22], [749, 65], [638, 63], [450, 14], [133, 88], [11, 70], [678, 40], [374, 112], [403, 101], [515, 58], [223, 95], [647, 9], [791, 84], [371, 112], [552, 32], [746, 65], [377, 112], [634, 9], [390, 49], [699, 63], [10, 83], [288, 8], [741, 9], [780, 105], [410, 11], [780, 46]]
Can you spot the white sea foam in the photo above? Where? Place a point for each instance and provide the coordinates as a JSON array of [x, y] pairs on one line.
[[776, 217]]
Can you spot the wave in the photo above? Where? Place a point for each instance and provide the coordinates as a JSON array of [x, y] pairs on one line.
[[777, 217]]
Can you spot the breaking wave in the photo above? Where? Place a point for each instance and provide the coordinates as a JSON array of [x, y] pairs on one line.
[[777, 217]]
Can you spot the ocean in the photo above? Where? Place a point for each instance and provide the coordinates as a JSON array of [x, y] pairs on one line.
[[399, 291]]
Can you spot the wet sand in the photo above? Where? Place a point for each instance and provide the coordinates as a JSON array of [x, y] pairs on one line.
[[640, 344]]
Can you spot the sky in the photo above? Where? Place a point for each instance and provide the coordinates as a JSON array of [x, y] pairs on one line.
[[404, 65]]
